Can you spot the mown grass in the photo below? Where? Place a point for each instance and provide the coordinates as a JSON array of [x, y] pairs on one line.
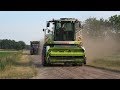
[[111, 62], [16, 65]]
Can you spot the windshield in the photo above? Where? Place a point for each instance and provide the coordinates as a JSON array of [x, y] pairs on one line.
[[66, 26], [35, 45], [64, 31]]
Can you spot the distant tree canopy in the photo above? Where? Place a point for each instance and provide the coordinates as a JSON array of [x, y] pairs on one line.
[[12, 44], [115, 22], [102, 28]]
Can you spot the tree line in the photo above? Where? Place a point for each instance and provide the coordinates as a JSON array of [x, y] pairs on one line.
[[102, 28], [12, 44]]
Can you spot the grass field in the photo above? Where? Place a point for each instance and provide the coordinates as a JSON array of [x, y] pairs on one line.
[[6, 53], [111, 62], [16, 65]]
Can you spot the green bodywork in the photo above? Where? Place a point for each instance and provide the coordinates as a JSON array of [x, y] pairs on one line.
[[62, 51], [63, 56], [65, 53]]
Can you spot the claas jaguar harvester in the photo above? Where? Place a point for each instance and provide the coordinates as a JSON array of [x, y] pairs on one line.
[[63, 43]]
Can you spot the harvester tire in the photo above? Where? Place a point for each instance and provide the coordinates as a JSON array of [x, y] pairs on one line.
[[44, 63], [74, 64], [85, 60]]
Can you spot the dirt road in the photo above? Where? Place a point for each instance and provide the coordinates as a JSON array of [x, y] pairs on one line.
[[71, 72]]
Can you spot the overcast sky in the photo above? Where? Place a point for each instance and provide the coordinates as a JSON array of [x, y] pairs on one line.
[[28, 25]]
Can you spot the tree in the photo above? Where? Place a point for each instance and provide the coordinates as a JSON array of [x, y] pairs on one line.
[[115, 22], [12, 44], [92, 27], [22, 44], [97, 28]]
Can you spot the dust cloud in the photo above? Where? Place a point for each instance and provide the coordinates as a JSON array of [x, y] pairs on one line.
[[98, 48], [41, 45]]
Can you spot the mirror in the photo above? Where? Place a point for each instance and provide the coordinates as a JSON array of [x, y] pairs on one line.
[[48, 31], [48, 24]]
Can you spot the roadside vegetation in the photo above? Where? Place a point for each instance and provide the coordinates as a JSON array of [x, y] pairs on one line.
[[111, 62], [16, 65]]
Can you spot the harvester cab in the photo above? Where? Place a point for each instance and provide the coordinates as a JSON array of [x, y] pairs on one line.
[[63, 44]]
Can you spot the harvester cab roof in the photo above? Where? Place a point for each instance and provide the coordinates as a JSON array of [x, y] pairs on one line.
[[71, 20], [64, 20]]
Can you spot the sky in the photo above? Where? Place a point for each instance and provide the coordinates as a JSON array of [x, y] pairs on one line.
[[28, 25]]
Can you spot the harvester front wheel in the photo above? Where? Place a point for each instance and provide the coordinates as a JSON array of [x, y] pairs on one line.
[[85, 60], [44, 63]]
